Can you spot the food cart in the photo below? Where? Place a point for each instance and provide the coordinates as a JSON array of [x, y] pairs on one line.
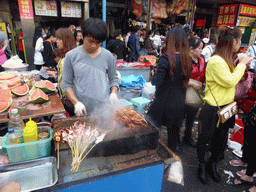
[[127, 159]]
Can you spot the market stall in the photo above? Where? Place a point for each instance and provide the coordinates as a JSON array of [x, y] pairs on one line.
[[10, 82], [141, 67], [128, 157]]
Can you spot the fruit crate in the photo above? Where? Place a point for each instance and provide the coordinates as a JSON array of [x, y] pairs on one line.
[[28, 151]]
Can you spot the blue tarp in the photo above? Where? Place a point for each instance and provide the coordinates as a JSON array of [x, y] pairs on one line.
[[132, 81]]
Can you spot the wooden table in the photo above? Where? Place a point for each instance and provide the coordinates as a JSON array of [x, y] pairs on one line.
[[51, 107]]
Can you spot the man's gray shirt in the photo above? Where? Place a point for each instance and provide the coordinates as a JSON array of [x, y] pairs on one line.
[[88, 76]]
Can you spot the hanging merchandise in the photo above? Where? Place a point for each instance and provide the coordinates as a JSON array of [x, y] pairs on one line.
[[145, 7], [137, 7], [163, 8], [178, 6], [156, 8]]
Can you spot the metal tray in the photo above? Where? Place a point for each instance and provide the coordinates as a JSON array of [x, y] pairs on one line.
[[32, 175]]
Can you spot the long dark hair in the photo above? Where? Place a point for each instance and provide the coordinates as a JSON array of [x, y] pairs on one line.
[[67, 38], [176, 42], [37, 34], [224, 47]]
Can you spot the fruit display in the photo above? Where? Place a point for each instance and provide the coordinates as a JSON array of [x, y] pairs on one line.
[[148, 58], [38, 96], [5, 99], [45, 85], [20, 90]]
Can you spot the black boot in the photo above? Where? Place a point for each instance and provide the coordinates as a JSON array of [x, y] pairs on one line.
[[212, 171], [202, 175]]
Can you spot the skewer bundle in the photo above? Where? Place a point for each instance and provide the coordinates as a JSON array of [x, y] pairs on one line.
[[128, 117], [81, 139]]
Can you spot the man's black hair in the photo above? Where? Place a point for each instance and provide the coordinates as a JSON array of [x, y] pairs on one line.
[[117, 33], [136, 28], [95, 28]]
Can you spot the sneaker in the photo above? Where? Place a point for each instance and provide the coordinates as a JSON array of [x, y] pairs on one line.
[[237, 163], [238, 153], [243, 172]]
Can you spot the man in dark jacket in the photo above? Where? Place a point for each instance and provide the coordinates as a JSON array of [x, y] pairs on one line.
[[117, 46], [133, 44]]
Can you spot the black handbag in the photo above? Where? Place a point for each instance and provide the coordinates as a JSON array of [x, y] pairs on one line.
[[68, 105], [249, 118]]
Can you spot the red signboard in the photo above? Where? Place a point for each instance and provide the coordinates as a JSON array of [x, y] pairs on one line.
[[200, 22], [248, 10], [26, 9], [227, 15]]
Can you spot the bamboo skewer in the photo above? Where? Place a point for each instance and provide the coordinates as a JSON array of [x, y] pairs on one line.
[[58, 155]]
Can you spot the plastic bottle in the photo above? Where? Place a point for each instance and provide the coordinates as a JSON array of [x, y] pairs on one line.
[[16, 122], [30, 132], [12, 137]]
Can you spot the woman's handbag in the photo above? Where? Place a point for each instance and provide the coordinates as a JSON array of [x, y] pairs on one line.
[[226, 112], [194, 98], [249, 118], [68, 105]]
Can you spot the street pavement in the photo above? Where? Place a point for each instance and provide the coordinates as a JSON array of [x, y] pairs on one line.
[[188, 157]]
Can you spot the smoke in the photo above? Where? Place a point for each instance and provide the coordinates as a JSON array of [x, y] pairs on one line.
[[105, 115]]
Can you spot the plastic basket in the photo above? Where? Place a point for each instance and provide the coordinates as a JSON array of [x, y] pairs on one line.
[[28, 151]]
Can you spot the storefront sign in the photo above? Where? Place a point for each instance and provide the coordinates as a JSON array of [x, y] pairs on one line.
[[3, 28], [200, 22], [71, 9], [252, 38], [227, 15], [248, 10], [45, 8], [245, 21], [26, 9]]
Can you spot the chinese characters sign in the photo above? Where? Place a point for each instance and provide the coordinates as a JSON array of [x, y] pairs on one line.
[[71, 9], [248, 10], [26, 9], [45, 8], [245, 21], [227, 15]]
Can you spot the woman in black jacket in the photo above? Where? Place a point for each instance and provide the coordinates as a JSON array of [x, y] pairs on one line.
[[171, 80], [48, 48]]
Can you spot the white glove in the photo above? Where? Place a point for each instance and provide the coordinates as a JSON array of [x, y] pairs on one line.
[[113, 98], [80, 109]]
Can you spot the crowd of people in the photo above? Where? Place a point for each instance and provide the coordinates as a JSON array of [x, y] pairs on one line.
[[87, 78]]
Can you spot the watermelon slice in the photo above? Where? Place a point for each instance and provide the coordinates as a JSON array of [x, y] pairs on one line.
[[5, 95], [38, 96], [4, 105], [46, 86], [20, 90]]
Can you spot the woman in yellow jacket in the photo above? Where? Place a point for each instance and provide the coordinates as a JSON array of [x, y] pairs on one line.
[[221, 76]]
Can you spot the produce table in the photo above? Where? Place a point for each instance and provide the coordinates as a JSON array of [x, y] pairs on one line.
[[51, 107]]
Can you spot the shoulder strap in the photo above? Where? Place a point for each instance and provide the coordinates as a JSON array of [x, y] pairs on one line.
[[218, 123], [214, 97]]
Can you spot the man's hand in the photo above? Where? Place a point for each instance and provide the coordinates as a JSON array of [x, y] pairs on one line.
[[11, 187], [80, 109], [113, 98]]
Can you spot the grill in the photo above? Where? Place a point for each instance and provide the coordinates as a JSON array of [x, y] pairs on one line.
[[120, 141]]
